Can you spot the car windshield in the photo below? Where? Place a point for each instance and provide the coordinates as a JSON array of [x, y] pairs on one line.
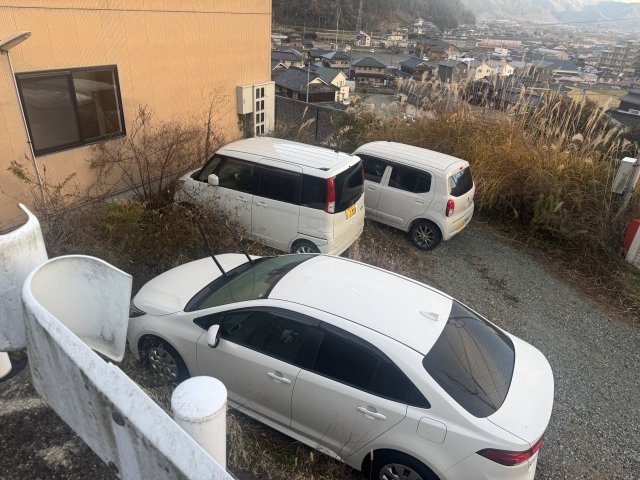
[[249, 281], [472, 361]]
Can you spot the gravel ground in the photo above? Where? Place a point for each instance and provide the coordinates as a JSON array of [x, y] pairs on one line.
[[595, 428]]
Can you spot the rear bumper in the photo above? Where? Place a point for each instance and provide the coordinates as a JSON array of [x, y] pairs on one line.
[[453, 227], [476, 467], [338, 245]]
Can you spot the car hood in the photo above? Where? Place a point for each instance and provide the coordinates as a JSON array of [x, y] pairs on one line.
[[171, 291], [526, 410]]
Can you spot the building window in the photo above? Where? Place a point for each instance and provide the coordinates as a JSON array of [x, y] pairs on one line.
[[70, 108]]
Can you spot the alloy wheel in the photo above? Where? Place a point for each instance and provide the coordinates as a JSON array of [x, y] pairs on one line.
[[397, 471], [163, 364]]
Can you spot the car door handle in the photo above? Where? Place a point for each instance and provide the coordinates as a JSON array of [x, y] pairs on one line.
[[279, 378], [371, 187], [242, 199], [370, 414], [419, 202], [261, 204]]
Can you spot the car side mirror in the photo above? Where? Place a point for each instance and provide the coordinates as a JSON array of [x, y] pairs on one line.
[[213, 336], [213, 180]]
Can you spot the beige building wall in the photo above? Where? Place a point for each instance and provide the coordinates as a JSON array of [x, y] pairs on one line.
[[171, 55]]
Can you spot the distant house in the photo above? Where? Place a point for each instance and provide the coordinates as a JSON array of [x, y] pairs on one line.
[[631, 102], [296, 82], [541, 71], [369, 71], [335, 59], [436, 49], [315, 54], [628, 113], [336, 78], [452, 71], [419, 69], [479, 69], [277, 67], [363, 40], [565, 68], [500, 67], [288, 58]]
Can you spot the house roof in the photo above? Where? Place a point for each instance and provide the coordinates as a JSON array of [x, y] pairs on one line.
[[296, 79], [565, 65], [276, 64], [290, 55], [412, 62], [333, 55], [369, 62], [450, 63], [327, 74], [318, 52], [368, 75], [632, 97]]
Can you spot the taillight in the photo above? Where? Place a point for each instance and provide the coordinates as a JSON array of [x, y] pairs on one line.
[[451, 205], [509, 459], [330, 206]]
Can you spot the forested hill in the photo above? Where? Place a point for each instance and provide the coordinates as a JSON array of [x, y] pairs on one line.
[[376, 14]]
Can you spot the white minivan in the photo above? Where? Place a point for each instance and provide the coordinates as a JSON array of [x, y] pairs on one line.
[[288, 195], [425, 193]]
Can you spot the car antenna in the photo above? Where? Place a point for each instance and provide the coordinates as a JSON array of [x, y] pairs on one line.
[[204, 237], [251, 260]]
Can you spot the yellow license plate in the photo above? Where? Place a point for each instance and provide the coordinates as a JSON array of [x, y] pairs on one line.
[[460, 226], [351, 211]]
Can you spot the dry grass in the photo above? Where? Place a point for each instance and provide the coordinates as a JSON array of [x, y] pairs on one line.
[[544, 175]]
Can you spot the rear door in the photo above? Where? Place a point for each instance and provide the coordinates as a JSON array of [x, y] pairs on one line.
[[461, 190], [347, 398], [234, 194], [349, 208], [276, 204], [406, 196], [376, 172]]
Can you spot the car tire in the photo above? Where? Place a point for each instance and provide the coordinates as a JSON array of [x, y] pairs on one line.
[[425, 235], [163, 360], [398, 466], [304, 246]]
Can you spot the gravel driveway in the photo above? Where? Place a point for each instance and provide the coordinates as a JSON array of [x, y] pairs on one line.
[[595, 427]]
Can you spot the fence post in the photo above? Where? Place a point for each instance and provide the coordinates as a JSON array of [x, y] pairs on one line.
[[199, 406]]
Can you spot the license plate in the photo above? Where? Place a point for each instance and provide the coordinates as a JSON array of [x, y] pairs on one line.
[[351, 211], [460, 226]]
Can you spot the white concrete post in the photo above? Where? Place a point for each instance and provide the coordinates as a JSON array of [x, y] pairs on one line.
[[5, 364], [199, 406]]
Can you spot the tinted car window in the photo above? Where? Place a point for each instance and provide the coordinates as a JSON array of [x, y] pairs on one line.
[[354, 362], [460, 182], [236, 174], [373, 168], [249, 281], [264, 331], [409, 179], [314, 192], [209, 168], [279, 185], [472, 361], [349, 185]]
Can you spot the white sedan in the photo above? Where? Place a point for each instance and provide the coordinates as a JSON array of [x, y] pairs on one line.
[[386, 374]]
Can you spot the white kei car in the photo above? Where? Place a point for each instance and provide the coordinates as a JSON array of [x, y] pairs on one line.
[[386, 374]]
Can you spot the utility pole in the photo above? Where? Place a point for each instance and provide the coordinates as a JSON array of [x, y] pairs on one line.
[[337, 21], [359, 20]]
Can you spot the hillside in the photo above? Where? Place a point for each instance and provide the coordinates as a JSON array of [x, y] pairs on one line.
[[376, 14]]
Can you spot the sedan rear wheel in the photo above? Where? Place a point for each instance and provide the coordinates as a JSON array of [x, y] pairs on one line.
[[304, 246], [390, 465]]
